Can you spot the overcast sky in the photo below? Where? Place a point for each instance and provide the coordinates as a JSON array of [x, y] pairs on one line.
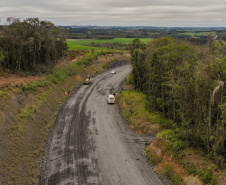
[[210, 13]]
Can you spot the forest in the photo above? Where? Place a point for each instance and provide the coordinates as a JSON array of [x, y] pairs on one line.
[[31, 45], [185, 83]]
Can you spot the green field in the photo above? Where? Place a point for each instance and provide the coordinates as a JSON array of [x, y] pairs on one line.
[[73, 45], [80, 43]]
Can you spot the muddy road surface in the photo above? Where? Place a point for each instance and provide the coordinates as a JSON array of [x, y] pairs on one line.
[[90, 142]]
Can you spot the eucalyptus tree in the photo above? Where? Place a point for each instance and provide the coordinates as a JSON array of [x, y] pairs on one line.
[[31, 44], [168, 63], [186, 84], [137, 61]]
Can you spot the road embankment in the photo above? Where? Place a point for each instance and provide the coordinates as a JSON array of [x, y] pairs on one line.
[[27, 116]]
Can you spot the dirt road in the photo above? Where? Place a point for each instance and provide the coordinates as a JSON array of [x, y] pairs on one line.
[[91, 143]]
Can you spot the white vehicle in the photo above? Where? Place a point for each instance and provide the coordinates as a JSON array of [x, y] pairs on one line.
[[113, 72], [111, 98]]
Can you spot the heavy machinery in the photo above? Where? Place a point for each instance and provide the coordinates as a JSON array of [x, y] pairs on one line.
[[88, 80]]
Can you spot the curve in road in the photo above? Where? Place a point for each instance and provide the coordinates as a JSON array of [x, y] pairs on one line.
[[90, 142]]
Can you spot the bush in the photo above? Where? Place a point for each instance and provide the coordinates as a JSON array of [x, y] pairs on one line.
[[57, 76], [191, 169], [207, 177], [152, 156], [3, 94], [170, 173], [71, 69], [168, 135], [171, 142], [52, 79], [130, 78], [32, 86], [26, 112], [178, 145]]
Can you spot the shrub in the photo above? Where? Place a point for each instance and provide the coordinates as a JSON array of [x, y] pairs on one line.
[[191, 169], [71, 69], [52, 79], [170, 173], [207, 177], [26, 112], [3, 94], [32, 86], [130, 78], [178, 145], [168, 135], [171, 142], [152, 156]]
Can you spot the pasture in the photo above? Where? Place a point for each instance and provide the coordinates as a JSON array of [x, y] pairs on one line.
[[82, 43]]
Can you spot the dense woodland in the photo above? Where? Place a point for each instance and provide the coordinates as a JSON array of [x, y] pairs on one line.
[[31, 45], [186, 83]]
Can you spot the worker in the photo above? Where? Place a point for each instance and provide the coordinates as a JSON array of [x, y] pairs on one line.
[[68, 93]]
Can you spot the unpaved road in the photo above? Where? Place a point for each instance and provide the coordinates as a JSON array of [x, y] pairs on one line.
[[91, 143]]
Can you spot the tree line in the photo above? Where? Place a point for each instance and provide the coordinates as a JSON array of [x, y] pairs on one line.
[[30, 45], [101, 32], [186, 83]]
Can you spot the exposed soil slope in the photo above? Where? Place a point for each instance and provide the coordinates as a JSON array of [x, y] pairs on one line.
[[26, 119]]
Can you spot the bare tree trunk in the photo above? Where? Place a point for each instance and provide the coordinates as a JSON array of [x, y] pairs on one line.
[[174, 111], [210, 102], [207, 139], [187, 133]]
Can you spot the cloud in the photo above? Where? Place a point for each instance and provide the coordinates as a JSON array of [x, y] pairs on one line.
[[120, 12]]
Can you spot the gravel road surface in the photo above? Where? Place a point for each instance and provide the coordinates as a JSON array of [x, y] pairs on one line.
[[90, 142]]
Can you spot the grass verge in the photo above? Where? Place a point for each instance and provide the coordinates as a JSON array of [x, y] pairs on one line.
[[169, 153]]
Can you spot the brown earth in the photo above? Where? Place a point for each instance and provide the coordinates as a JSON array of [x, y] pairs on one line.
[[12, 80], [198, 161], [188, 179]]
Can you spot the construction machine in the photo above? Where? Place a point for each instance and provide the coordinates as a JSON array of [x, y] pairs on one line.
[[88, 80]]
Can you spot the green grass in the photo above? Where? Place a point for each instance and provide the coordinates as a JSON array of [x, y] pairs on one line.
[[80, 43], [134, 106], [137, 101], [73, 45]]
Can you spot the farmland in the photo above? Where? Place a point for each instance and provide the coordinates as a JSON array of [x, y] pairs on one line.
[[85, 43]]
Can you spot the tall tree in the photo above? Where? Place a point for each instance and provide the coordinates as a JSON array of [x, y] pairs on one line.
[[186, 84], [30, 44]]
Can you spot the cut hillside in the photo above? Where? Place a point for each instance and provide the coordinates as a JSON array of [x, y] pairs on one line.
[[28, 112]]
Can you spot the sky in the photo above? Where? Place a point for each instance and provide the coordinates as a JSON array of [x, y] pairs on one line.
[[163, 13]]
